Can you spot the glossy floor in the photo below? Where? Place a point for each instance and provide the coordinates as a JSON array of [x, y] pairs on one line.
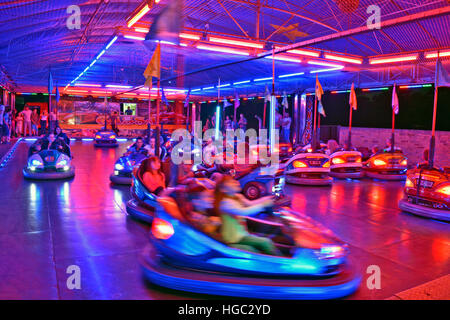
[[47, 226]]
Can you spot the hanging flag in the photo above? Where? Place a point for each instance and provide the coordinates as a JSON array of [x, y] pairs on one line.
[[319, 90], [226, 104], [50, 83], [57, 97], [237, 103], [395, 105], [186, 101], [353, 102], [321, 109], [267, 95], [154, 67], [285, 101], [167, 24], [442, 77], [163, 97]]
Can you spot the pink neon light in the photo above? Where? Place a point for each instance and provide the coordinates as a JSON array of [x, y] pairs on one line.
[[435, 55], [223, 50], [344, 59], [304, 53], [284, 58], [189, 36], [320, 63], [236, 42], [393, 59]]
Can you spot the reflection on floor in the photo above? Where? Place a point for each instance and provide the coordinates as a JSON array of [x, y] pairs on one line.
[[47, 226]]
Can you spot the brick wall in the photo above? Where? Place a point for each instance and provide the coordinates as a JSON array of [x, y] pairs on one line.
[[412, 142]]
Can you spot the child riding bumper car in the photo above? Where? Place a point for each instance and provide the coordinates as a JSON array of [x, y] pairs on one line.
[[49, 165], [346, 164], [427, 193], [308, 167], [387, 166], [311, 264], [105, 138]]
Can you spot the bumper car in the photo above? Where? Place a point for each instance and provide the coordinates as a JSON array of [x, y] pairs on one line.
[[49, 165], [143, 202], [312, 263], [346, 164], [427, 193], [309, 167], [387, 166], [123, 168], [105, 138]]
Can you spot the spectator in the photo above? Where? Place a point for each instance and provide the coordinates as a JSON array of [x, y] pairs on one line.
[[286, 128], [52, 121], [27, 121], [228, 124], [242, 122], [19, 124], [6, 127], [34, 122], [44, 122]]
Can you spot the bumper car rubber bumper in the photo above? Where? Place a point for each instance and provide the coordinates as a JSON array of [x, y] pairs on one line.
[[139, 212], [420, 210], [347, 175], [159, 272], [381, 176], [309, 181], [101, 144], [49, 175], [120, 179]]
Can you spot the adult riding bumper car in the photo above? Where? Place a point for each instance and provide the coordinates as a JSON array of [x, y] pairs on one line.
[[427, 193], [105, 138], [308, 167], [387, 166], [312, 263], [123, 168], [49, 165], [346, 164]]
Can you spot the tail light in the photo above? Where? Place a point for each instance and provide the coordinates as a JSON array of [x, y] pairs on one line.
[[379, 162], [161, 229], [309, 150], [326, 164], [337, 160], [98, 137], [358, 159], [445, 190], [112, 137], [299, 164], [404, 162]]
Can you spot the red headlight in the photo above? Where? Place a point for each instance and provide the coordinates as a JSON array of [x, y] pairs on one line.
[[162, 229]]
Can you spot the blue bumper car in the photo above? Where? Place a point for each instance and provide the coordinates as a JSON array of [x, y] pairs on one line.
[[123, 168], [49, 165], [105, 138], [312, 263]]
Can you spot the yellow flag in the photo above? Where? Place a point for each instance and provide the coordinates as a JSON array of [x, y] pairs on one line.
[[319, 90], [154, 67]]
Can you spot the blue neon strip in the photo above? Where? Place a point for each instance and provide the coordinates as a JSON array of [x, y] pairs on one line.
[[263, 79], [291, 75], [241, 82]]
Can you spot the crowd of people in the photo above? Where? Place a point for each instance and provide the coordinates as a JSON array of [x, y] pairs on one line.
[[28, 122]]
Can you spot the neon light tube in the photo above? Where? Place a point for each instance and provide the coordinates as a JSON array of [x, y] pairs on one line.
[[393, 59], [142, 30], [236, 42], [134, 38], [344, 59], [138, 16], [224, 85], [189, 36], [374, 89], [195, 90], [263, 79], [304, 53], [284, 58], [100, 54], [111, 43], [326, 70], [319, 63], [88, 84], [291, 75], [217, 122], [223, 50], [241, 82], [435, 54], [118, 86], [208, 88]]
